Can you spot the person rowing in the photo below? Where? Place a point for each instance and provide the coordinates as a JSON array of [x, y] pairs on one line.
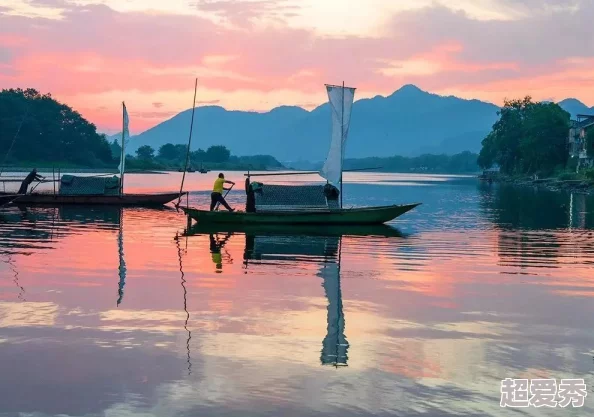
[[33, 176], [217, 192]]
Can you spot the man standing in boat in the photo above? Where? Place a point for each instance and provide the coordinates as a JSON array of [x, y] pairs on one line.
[[217, 192], [33, 176]]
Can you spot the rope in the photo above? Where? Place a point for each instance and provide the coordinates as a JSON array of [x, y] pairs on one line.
[[181, 188]]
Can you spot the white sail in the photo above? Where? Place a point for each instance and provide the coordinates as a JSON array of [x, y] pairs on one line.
[[125, 139], [341, 103]]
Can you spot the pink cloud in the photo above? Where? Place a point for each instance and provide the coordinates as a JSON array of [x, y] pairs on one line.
[[94, 49]]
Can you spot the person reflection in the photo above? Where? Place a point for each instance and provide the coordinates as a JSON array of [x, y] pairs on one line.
[[216, 246]]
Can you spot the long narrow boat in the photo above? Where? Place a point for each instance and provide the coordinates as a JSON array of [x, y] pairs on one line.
[[94, 190], [352, 216], [307, 204], [158, 199]]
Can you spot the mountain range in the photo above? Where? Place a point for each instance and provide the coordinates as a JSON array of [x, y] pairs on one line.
[[408, 122]]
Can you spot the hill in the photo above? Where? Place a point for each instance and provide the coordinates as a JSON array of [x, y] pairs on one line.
[[574, 107], [409, 122]]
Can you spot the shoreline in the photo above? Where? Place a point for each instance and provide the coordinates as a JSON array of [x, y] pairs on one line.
[[551, 184]]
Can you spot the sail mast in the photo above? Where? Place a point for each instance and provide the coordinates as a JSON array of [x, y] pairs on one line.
[[181, 187], [123, 154], [341, 142]]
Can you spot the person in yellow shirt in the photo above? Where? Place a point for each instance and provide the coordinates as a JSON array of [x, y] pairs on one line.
[[217, 192]]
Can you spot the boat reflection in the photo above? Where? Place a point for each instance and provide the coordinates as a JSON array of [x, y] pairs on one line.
[[25, 230], [288, 245]]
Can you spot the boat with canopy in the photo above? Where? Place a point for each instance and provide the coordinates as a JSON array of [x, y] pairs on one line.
[[96, 189], [307, 204]]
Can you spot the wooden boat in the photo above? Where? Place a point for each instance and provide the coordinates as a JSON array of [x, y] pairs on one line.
[[158, 199], [353, 216], [307, 204], [94, 190]]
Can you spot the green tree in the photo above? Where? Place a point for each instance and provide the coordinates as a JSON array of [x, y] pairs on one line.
[[171, 152], [49, 131], [116, 150], [145, 153], [168, 151], [217, 153], [528, 137]]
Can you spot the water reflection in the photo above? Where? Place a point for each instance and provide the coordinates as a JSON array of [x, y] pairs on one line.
[[428, 321], [325, 251], [122, 264], [515, 207], [273, 247], [180, 254]]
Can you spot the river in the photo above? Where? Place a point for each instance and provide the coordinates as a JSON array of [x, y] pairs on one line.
[[116, 312]]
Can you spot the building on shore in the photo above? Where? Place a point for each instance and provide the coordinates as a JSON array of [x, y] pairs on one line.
[[578, 133]]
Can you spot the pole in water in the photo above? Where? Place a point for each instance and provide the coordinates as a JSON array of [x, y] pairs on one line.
[[181, 188]]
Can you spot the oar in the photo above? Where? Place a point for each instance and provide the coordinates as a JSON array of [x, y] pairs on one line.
[[217, 206]]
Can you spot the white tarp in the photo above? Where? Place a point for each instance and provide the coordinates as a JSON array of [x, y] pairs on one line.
[[341, 104], [125, 139]]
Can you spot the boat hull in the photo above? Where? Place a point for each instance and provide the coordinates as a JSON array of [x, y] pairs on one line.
[[109, 200], [354, 216]]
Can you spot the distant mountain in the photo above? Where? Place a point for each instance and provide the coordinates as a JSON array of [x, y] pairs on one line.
[[574, 107], [409, 122]]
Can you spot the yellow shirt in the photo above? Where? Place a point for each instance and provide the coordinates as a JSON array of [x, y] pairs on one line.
[[218, 185]]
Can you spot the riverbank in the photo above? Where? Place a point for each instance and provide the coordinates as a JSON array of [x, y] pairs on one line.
[[583, 186], [64, 170]]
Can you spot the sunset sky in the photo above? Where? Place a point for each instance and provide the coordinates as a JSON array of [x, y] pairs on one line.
[[258, 54]]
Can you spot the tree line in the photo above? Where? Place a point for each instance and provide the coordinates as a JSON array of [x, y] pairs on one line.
[[464, 162], [170, 156], [36, 129]]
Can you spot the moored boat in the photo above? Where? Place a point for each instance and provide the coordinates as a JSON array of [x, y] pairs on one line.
[[93, 190], [157, 199]]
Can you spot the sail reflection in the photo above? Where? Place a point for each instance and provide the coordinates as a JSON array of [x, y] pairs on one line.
[[293, 248], [334, 345]]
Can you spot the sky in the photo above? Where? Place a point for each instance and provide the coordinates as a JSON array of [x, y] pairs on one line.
[[259, 54]]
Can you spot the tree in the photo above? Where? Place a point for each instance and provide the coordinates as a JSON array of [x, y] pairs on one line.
[[145, 152], [116, 150], [49, 131], [217, 153], [171, 152], [528, 137]]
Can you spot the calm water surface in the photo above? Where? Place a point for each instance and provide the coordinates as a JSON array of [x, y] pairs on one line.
[[109, 312]]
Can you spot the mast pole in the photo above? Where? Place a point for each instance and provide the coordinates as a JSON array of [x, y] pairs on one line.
[[123, 153], [181, 188], [341, 142]]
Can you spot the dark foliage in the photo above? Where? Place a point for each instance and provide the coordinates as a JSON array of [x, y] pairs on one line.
[[528, 138], [49, 131]]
